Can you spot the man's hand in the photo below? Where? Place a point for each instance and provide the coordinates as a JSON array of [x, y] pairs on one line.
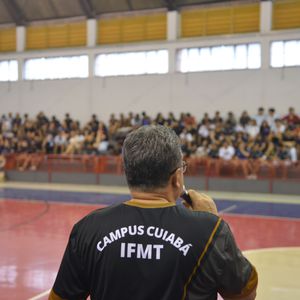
[[201, 202]]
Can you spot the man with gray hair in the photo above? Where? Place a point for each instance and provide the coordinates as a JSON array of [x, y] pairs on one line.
[[149, 248]]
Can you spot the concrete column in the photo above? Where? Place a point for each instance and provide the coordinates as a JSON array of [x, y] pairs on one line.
[[91, 65], [265, 54], [91, 32], [173, 25], [20, 69], [20, 38], [265, 16], [172, 60]]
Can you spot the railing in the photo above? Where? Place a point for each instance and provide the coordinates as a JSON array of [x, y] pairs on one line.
[[65, 163], [197, 167], [236, 168]]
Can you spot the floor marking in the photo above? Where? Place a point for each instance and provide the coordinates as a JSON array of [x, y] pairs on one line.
[[58, 202], [293, 219], [253, 197], [227, 209], [284, 289], [64, 187], [272, 249], [41, 295]]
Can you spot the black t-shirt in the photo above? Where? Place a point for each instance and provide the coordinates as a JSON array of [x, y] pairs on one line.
[[137, 251]]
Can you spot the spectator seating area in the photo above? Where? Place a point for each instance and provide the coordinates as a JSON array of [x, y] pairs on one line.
[[263, 145]]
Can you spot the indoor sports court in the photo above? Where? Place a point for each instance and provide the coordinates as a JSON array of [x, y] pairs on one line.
[[37, 219], [77, 76]]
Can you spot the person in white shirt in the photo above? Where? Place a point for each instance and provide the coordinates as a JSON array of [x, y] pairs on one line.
[[75, 142], [279, 127], [202, 150], [204, 130], [60, 142], [187, 142], [271, 117], [252, 129], [6, 124], [260, 117], [226, 154], [185, 136]]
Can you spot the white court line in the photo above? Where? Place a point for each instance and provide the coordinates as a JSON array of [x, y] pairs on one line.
[[271, 249], [227, 209], [41, 295], [253, 197], [293, 219]]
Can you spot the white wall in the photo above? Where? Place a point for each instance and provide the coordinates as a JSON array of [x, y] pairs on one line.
[[194, 92]]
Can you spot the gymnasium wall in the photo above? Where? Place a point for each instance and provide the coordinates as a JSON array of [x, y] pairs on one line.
[[195, 92]]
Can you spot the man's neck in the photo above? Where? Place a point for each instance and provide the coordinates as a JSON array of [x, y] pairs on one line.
[[161, 195]]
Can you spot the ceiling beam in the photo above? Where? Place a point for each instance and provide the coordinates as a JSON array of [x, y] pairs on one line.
[[171, 4], [53, 7], [88, 9], [15, 12]]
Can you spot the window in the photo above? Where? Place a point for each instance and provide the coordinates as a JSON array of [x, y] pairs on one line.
[[56, 67], [216, 58], [132, 63], [285, 54], [8, 70]]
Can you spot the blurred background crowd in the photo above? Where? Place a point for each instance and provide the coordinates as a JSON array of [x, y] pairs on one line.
[[265, 137]]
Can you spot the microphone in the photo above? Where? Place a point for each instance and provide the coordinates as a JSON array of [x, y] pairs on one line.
[[185, 196]]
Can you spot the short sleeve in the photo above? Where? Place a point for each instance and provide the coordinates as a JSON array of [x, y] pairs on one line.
[[236, 277], [224, 269], [70, 282]]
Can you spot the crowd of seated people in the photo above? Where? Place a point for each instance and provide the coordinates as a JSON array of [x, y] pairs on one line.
[[248, 142]]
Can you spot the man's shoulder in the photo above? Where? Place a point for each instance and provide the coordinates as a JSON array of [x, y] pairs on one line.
[[192, 216], [98, 214]]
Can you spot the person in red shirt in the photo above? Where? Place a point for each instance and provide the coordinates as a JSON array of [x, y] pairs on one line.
[[291, 118]]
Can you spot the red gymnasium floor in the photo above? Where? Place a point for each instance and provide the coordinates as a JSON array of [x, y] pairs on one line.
[[33, 236]]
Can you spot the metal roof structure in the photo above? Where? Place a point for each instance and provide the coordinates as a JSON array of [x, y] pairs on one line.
[[23, 12]]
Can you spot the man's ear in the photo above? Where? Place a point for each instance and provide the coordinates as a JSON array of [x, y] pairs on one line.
[[176, 179]]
